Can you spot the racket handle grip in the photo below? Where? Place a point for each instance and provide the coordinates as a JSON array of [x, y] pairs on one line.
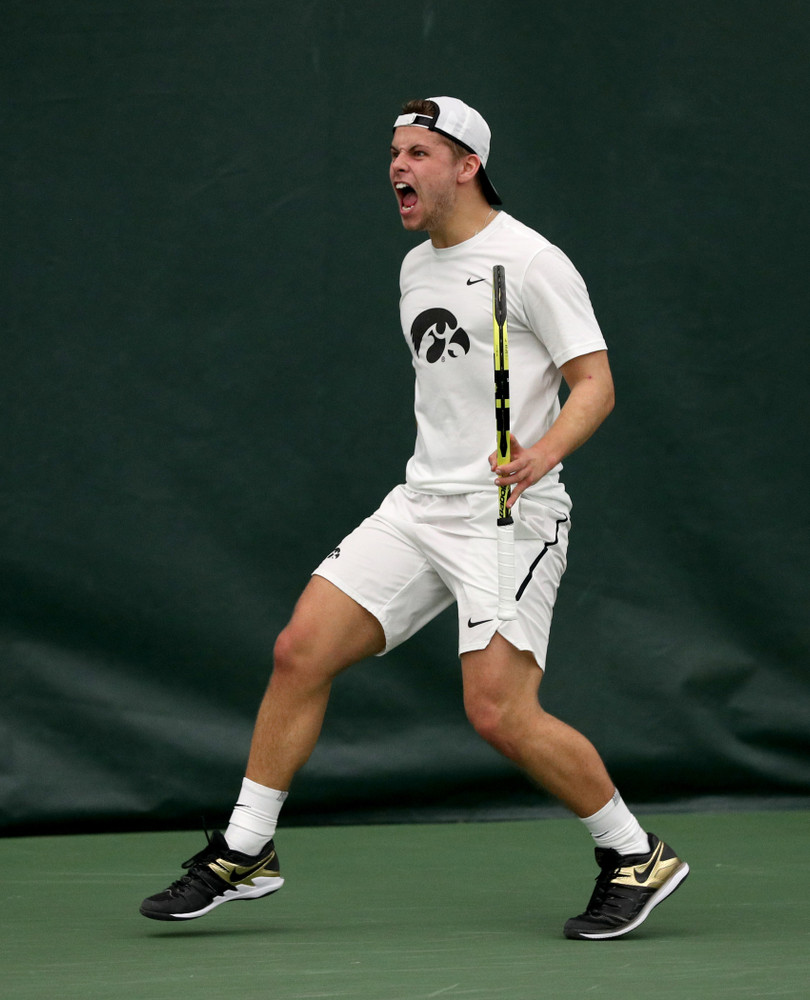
[[507, 606]]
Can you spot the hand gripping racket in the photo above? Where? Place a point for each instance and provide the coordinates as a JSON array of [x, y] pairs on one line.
[[507, 607]]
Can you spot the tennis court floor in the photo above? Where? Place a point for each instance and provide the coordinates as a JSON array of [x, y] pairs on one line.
[[449, 911]]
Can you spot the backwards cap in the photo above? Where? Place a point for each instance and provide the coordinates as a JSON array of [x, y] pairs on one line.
[[464, 125]]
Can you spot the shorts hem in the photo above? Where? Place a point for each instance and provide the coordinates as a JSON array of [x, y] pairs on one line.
[[483, 638]]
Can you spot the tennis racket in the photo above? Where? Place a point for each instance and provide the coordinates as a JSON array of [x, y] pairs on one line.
[[507, 606]]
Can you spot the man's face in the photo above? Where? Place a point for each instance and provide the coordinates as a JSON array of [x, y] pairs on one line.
[[423, 174]]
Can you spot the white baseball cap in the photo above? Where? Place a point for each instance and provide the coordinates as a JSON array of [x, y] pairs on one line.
[[464, 125]]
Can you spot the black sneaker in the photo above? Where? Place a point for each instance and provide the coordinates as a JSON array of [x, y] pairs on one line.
[[216, 875], [627, 889]]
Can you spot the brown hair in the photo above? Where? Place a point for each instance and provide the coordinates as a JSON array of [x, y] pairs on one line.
[[431, 109]]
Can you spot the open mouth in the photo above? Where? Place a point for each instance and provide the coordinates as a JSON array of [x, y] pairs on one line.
[[407, 196]]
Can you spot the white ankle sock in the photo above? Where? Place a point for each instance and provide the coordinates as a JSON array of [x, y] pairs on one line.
[[615, 827], [254, 818]]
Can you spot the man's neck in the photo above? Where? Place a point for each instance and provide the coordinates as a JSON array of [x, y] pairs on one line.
[[465, 223]]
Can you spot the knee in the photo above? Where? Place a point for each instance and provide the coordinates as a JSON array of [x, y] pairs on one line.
[[284, 650], [491, 719], [304, 659], [292, 655]]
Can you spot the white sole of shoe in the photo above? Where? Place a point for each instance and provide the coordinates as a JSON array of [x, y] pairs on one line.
[[260, 887], [667, 889]]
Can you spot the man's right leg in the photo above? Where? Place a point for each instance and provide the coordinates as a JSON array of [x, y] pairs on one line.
[[328, 632]]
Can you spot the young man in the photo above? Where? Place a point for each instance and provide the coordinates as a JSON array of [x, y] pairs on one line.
[[432, 541]]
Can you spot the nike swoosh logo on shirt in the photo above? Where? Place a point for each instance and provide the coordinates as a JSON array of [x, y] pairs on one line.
[[474, 281], [472, 624]]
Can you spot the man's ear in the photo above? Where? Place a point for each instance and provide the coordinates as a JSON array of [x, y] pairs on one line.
[[469, 168]]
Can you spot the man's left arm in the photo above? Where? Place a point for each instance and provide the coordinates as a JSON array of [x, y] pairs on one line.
[[590, 400]]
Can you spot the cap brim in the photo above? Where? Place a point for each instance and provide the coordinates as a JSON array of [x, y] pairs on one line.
[[488, 188]]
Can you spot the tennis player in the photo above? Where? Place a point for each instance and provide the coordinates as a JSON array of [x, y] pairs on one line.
[[432, 541]]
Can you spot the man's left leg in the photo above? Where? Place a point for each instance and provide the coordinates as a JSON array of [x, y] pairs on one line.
[[501, 685]]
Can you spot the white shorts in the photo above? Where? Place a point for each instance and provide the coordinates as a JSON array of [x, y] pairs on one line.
[[419, 553]]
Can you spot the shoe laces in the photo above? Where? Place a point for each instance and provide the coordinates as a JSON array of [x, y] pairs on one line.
[[605, 891], [200, 854], [194, 863]]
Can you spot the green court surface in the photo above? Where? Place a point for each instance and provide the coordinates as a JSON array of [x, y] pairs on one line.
[[412, 913]]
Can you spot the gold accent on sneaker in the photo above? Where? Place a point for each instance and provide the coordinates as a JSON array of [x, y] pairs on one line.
[[236, 874], [650, 875]]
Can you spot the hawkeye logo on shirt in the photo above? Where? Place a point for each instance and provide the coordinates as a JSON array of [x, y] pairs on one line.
[[440, 329]]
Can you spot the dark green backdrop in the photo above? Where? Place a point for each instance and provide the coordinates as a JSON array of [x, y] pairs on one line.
[[205, 387]]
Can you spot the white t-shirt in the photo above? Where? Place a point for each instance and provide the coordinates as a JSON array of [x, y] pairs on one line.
[[446, 313]]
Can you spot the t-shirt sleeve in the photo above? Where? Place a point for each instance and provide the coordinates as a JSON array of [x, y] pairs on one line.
[[558, 308]]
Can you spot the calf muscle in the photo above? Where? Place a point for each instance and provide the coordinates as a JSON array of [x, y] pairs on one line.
[[501, 686]]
